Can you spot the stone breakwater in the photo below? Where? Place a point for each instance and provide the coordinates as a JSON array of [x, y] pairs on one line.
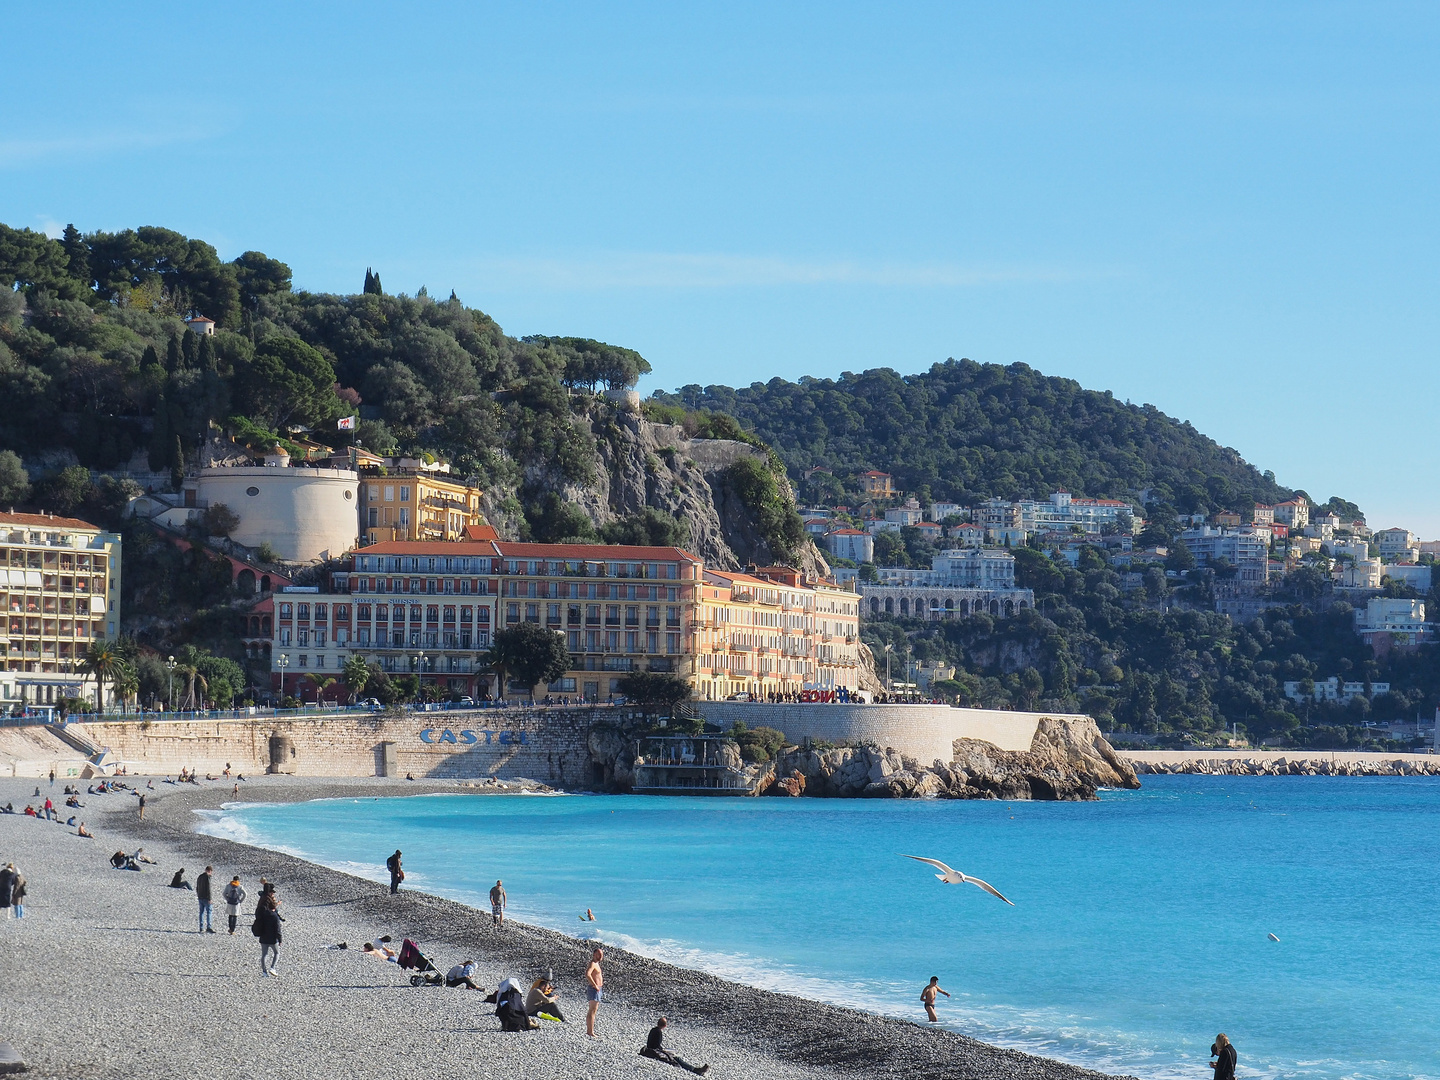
[[1295, 766], [1068, 760]]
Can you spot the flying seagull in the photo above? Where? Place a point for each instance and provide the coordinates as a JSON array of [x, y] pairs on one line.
[[955, 877]]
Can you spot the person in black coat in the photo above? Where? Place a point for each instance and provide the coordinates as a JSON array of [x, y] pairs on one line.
[[267, 929], [1224, 1054]]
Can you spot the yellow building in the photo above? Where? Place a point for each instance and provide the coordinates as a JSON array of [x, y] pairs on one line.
[[766, 633], [413, 502], [60, 584], [878, 485]]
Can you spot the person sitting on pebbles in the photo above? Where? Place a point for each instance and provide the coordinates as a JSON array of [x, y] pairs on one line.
[[655, 1050]]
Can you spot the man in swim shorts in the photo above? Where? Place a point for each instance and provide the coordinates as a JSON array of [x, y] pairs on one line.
[[498, 900], [929, 997], [594, 990]]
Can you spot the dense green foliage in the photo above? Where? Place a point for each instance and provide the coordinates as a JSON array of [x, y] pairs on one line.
[[1146, 661], [95, 359], [529, 654], [964, 431], [654, 688]]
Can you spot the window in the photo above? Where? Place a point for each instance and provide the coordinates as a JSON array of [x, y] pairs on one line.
[[374, 492], [432, 613], [322, 612], [532, 612], [382, 613], [512, 613], [284, 635], [415, 613], [466, 614], [320, 661], [319, 637], [374, 517], [483, 615], [389, 492], [304, 660], [363, 635], [302, 611], [252, 491], [404, 494], [404, 516], [285, 611], [304, 636]]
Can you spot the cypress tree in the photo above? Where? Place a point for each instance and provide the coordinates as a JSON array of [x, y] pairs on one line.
[[188, 348], [150, 357], [369, 281], [207, 353], [375, 286], [172, 356], [177, 464]]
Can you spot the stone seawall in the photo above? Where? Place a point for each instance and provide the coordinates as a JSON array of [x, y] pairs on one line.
[[549, 745], [923, 732]]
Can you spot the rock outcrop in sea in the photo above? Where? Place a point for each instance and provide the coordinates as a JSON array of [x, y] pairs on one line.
[[1068, 760]]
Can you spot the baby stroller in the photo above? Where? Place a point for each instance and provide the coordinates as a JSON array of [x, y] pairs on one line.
[[426, 973]]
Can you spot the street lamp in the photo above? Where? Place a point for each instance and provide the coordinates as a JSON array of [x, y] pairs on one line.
[[170, 684], [282, 663]]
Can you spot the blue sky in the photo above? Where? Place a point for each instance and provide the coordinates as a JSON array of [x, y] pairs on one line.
[[1227, 210]]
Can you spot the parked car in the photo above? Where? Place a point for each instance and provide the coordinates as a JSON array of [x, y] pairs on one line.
[[466, 702], [742, 696]]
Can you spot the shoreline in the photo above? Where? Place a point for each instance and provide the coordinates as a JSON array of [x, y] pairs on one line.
[[743, 1030]]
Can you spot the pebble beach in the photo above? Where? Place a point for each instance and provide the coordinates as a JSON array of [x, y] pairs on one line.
[[107, 975]]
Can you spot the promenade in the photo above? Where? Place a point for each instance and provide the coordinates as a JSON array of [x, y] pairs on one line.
[[106, 976]]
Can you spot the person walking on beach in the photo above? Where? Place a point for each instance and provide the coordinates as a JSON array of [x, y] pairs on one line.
[[7, 890], [1224, 1053], [267, 929], [234, 896], [655, 1050], [594, 990], [202, 895], [142, 807], [929, 996], [498, 900], [52, 777], [397, 875]]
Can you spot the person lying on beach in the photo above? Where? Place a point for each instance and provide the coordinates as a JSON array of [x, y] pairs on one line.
[[380, 952], [655, 1050], [73, 801], [83, 831], [9, 808], [140, 856], [542, 998], [179, 882], [462, 974]]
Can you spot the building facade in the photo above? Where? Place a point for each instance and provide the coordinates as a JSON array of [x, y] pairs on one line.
[[852, 544], [432, 608], [62, 591], [960, 582], [768, 633], [1246, 549], [415, 502]]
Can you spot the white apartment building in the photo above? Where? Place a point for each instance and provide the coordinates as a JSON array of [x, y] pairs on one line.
[[1397, 543], [1332, 689], [1401, 622], [1246, 549], [939, 511], [1294, 513], [854, 544]]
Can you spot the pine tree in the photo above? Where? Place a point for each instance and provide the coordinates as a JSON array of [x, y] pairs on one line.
[[77, 254], [172, 356], [453, 298]]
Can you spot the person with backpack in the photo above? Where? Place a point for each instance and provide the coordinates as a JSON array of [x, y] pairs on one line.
[[1224, 1053], [397, 875], [234, 896], [266, 927]]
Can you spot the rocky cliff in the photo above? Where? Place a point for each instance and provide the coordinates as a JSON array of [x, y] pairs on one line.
[[1068, 760], [637, 465]]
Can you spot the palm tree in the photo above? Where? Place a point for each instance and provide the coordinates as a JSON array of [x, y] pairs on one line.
[[125, 685], [102, 661], [357, 675]]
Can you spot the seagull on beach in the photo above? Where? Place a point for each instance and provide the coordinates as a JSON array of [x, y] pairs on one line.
[[954, 877]]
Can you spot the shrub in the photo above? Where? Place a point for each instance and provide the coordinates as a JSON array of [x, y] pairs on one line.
[[757, 744]]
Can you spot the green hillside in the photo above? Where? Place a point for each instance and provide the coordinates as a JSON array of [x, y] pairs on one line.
[[963, 431]]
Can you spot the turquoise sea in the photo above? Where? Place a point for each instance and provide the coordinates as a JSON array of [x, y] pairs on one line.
[[1140, 928]]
